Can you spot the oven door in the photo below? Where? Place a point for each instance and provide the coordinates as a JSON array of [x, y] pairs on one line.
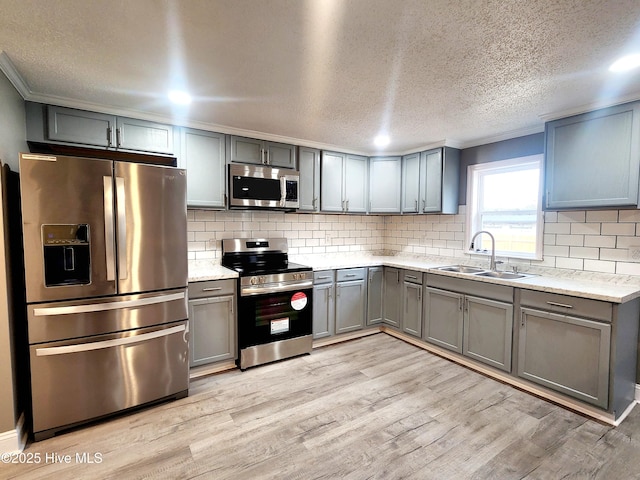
[[271, 317]]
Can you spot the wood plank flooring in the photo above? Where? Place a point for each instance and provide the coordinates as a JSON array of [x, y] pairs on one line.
[[373, 408]]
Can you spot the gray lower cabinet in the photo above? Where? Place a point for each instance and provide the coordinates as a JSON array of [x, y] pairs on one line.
[[351, 296], [309, 169], [384, 184], [323, 304], [261, 152], [606, 144], [412, 299], [391, 305], [374, 295], [212, 322], [471, 318], [443, 318], [73, 126], [202, 154]]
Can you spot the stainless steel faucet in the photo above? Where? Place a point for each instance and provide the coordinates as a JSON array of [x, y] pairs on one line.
[[492, 264]]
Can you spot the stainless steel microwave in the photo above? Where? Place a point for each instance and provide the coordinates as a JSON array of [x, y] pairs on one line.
[[263, 187]]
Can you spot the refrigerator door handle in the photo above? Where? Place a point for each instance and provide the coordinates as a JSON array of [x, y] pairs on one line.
[[116, 342], [122, 229], [108, 228], [101, 307]]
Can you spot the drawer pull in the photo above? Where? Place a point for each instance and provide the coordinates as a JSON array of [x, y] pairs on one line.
[[351, 275], [212, 289], [324, 277], [413, 277], [555, 304]]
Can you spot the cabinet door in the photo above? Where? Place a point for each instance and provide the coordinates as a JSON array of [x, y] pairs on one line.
[[432, 168], [374, 295], [79, 126], [443, 318], [350, 306], [355, 184], [203, 155], [411, 183], [567, 354], [323, 310], [132, 134], [592, 160], [245, 150], [213, 330], [280, 155], [309, 163], [384, 184], [488, 328], [412, 316], [331, 183], [392, 297]]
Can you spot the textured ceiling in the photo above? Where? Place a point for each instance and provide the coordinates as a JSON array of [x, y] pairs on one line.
[[329, 72]]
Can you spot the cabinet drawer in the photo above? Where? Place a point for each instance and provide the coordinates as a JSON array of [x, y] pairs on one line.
[[563, 304], [350, 274], [412, 276], [211, 288], [323, 276]]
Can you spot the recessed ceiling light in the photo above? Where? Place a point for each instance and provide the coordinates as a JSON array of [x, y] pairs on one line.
[[179, 97], [381, 140], [626, 63]]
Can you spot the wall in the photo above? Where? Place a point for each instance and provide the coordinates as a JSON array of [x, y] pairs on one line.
[[12, 141]]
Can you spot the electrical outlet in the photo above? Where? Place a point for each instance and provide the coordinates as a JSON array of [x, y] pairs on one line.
[[634, 253]]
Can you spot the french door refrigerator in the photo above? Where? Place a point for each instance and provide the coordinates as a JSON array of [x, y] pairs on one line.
[[106, 276]]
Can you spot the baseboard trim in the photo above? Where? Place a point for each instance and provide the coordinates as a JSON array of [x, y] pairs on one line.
[[14, 441]]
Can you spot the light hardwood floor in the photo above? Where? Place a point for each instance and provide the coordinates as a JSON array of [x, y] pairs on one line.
[[376, 407]]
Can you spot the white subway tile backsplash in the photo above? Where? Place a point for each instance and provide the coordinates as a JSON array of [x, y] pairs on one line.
[[597, 240]]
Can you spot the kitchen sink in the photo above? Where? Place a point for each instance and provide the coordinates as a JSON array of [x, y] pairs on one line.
[[461, 269], [505, 275]]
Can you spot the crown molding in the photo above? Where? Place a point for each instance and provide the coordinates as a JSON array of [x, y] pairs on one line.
[[521, 132], [547, 117], [10, 71]]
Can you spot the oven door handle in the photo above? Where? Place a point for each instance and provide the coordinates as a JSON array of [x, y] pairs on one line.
[[261, 290], [116, 342]]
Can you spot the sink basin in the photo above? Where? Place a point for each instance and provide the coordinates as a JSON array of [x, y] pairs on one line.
[[462, 269], [505, 275]]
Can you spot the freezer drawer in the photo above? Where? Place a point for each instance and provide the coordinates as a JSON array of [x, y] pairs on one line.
[[76, 381], [49, 322]]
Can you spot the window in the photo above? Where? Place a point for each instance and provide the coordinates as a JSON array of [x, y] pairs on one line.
[[504, 198]]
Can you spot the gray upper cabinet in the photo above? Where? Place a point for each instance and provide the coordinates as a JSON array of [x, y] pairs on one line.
[[411, 183], [384, 184], [203, 155], [309, 165], [430, 181], [592, 160], [68, 125], [261, 152], [343, 183]]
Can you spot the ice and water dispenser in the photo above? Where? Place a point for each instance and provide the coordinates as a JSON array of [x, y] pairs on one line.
[[67, 255]]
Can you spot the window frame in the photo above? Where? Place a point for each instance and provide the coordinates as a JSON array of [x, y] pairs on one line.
[[503, 166]]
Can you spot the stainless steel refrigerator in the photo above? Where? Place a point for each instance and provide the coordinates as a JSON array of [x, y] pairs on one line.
[[106, 275]]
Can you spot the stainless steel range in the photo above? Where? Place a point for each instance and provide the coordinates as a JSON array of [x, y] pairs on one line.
[[275, 301]]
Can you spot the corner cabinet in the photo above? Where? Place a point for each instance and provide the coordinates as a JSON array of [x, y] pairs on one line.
[[202, 154], [261, 152], [309, 165], [430, 181], [592, 160], [384, 184], [212, 322], [343, 183], [70, 126]]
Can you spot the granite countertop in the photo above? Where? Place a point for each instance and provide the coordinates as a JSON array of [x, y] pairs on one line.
[[604, 287]]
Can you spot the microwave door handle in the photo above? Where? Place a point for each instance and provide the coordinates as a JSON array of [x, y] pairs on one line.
[[122, 228], [109, 238], [283, 191]]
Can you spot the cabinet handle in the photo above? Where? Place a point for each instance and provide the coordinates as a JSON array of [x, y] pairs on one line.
[[109, 131], [424, 204], [118, 137], [324, 277], [212, 289], [416, 204], [555, 304], [522, 319], [466, 304], [268, 157], [411, 276], [419, 294], [350, 275], [347, 205], [460, 303], [329, 293], [314, 203]]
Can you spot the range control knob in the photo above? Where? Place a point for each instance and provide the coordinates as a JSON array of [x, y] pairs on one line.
[[253, 280]]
